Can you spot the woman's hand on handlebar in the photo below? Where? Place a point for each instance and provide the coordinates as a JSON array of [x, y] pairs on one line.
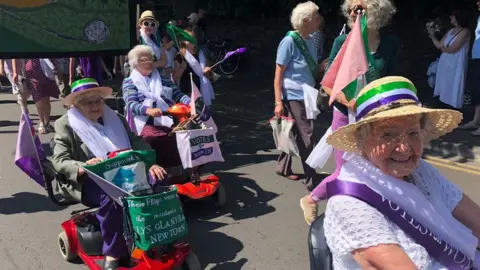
[[154, 112], [157, 172], [94, 161]]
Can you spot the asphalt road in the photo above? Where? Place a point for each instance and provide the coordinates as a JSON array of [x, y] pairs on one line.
[[262, 226]]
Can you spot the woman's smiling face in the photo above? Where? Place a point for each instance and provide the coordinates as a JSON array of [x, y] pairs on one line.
[[395, 145]]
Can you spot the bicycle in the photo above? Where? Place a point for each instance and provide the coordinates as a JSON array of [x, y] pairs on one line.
[[217, 51]]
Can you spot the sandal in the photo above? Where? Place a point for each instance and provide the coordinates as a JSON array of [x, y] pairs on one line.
[[50, 128], [42, 130], [292, 177]]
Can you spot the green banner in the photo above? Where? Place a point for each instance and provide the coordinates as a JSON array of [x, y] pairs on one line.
[[47, 28], [156, 220]]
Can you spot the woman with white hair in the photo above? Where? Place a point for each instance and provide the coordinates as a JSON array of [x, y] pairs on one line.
[[146, 98], [297, 64], [389, 208], [86, 134], [384, 48]]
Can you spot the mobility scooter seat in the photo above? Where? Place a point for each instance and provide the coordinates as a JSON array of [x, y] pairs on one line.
[[319, 253]]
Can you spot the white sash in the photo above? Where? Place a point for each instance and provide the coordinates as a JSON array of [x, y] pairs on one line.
[[433, 215], [153, 94], [151, 43], [99, 139], [205, 85]]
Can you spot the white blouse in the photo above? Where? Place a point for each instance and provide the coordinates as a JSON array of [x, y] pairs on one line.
[[351, 224]]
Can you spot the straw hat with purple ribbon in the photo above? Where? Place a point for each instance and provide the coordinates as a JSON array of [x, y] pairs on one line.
[[387, 98], [84, 86]]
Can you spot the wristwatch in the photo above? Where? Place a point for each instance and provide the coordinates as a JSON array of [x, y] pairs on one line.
[[278, 103]]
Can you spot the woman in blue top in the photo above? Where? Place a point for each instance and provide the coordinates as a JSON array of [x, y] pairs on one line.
[[296, 64]]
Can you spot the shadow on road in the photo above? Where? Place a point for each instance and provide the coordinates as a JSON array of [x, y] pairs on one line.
[[224, 248], [7, 123], [26, 202], [231, 265], [246, 199]]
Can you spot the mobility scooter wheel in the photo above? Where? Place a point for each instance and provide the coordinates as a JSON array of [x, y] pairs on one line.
[[220, 197], [191, 262], [64, 246]]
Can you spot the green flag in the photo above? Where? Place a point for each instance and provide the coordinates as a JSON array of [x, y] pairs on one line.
[[179, 34]]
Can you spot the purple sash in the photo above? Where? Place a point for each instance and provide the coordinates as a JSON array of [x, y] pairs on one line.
[[436, 247]]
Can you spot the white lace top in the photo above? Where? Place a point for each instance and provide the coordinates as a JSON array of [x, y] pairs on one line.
[[351, 224]]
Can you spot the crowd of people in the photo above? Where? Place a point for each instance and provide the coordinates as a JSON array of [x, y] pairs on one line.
[[43, 79]]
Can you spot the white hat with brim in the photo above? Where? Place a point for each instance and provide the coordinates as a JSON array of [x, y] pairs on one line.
[[388, 98], [83, 86], [147, 15]]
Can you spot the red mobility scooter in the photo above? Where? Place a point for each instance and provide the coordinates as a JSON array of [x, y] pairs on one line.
[[81, 237], [194, 188]]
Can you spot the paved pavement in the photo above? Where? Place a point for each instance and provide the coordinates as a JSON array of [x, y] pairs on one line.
[[261, 227], [238, 96]]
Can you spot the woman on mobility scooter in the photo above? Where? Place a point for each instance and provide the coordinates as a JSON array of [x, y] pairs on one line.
[[85, 135], [146, 98]]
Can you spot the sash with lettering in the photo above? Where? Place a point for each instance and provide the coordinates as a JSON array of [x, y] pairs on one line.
[[448, 241]]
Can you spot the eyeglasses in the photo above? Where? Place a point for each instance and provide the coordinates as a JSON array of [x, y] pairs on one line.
[[145, 60], [91, 103], [357, 9], [149, 24]]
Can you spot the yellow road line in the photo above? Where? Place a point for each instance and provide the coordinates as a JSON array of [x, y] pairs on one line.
[[453, 163], [455, 166]]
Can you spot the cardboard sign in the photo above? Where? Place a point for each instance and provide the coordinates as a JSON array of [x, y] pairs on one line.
[[198, 147]]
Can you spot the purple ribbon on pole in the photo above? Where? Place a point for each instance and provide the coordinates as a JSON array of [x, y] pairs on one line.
[[235, 52]]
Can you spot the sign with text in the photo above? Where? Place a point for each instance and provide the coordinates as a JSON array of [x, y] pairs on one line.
[[128, 171], [198, 147], [157, 219], [45, 28]]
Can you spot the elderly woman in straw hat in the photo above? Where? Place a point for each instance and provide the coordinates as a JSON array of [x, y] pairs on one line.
[[297, 65], [85, 135], [388, 208]]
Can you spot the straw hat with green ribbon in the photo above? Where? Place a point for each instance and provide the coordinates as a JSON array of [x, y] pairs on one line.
[[387, 98], [84, 86]]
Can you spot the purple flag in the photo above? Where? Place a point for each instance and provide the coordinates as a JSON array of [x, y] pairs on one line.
[[29, 153]]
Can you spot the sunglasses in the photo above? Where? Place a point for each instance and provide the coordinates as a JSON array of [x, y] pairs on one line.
[[357, 9], [149, 24]]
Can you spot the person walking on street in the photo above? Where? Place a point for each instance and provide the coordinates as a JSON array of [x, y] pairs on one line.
[[297, 64], [474, 82]]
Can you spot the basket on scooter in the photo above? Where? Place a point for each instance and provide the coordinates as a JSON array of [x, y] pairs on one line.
[[197, 145], [147, 212]]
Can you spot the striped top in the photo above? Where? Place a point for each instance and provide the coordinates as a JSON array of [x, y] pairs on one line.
[[134, 99]]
